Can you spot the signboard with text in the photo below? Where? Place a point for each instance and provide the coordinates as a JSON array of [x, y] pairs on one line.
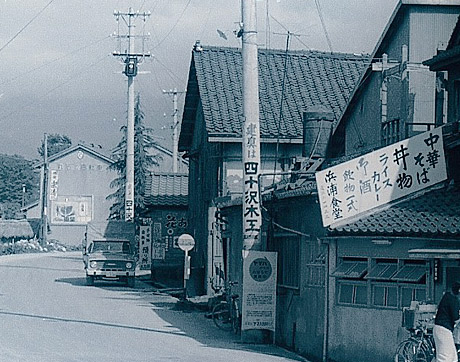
[[145, 247], [381, 176], [259, 291]]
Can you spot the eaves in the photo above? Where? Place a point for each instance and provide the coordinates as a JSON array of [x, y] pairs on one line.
[[220, 139]]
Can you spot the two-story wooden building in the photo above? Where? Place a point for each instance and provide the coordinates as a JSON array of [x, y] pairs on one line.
[[341, 289], [212, 121]]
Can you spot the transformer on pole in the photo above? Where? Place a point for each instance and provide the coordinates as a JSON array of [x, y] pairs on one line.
[[131, 60]]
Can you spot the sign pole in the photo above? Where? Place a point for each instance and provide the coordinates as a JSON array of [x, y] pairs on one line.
[[186, 243]]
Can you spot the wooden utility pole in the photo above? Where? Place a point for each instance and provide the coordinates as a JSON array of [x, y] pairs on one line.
[[252, 217], [174, 127], [131, 61]]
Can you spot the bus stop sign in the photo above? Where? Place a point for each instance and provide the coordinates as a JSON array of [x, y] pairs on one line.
[[186, 242]]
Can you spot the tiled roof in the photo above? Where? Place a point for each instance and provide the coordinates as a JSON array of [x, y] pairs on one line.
[[435, 213], [166, 189], [312, 78]]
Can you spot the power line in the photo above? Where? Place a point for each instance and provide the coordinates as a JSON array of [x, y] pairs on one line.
[[171, 74], [53, 61], [25, 26], [175, 24], [323, 24], [75, 75]]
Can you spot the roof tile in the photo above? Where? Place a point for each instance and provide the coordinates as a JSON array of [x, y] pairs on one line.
[[433, 213], [312, 78]]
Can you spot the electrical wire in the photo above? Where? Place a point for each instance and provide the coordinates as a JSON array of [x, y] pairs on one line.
[[54, 60], [169, 71], [175, 24], [323, 24], [283, 88], [25, 26], [75, 75]]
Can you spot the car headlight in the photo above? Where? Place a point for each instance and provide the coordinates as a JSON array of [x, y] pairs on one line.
[[129, 265], [93, 264]]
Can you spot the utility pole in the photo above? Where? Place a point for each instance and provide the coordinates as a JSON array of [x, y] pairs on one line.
[[44, 204], [175, 126], [131, 60], [252, 219]]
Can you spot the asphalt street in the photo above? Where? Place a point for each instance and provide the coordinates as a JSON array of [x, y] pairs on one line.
[[48, 313]]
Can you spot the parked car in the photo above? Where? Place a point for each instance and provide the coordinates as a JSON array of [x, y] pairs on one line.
[[109, 259]]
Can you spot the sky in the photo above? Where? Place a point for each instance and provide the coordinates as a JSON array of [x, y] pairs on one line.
[[58, 74]]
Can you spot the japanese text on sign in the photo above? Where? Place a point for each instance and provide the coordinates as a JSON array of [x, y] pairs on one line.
[[382, 176], [259, 290], [251, 205]]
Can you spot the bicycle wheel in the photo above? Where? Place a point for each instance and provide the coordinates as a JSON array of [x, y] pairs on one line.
[[222, 317], [236, 319], [403, 351], [417, 351]]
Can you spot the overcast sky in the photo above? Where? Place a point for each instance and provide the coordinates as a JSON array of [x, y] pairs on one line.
[[58, 75]]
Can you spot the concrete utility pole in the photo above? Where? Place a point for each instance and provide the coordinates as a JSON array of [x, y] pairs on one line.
[[252, 219], [44, 205], [175, 126], [131, 61]]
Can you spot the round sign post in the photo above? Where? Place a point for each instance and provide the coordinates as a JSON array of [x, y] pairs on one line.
[[186, 243]]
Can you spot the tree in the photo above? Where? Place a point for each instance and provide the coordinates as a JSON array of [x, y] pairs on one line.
[[144, 161], [56, 144], [16, 173]]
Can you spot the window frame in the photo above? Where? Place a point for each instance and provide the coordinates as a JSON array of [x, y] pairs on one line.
[[289, 277], [385, 278]]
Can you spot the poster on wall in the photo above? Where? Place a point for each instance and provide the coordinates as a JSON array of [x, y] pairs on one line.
[[381, 176], [54, 179], [259, 290], [71, 209], [159, 247], [145, 247]]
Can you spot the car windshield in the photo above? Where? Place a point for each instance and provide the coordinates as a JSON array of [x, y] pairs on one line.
[[111, 247]]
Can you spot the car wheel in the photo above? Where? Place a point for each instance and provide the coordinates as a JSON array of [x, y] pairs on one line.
[[131, 282]]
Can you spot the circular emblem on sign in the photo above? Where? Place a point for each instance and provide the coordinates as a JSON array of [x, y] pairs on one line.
[[80, 155], [260, 269]]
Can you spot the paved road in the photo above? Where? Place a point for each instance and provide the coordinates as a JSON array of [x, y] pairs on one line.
[[47, 313]]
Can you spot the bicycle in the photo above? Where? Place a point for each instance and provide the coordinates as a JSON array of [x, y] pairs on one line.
[[226, 314], [419, 347]]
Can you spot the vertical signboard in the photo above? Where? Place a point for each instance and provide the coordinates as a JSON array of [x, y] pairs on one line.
[[159, 246], [259, 291], [379, 177], [251, 203], [145, 247], [129, 202], [54, 178]]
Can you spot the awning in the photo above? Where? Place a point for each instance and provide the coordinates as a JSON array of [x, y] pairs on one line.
[[434, 253], [350, 269], [382, 271], [410, 273]]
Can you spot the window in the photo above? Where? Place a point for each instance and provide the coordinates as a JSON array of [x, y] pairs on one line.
[[410, 293], [392, 283], [288, 248], [352, 293], [390, 132], [385, 295]]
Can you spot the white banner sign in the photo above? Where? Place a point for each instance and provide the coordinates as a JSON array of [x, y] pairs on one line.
[[145, 247], [259, 291], [380, 177]]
